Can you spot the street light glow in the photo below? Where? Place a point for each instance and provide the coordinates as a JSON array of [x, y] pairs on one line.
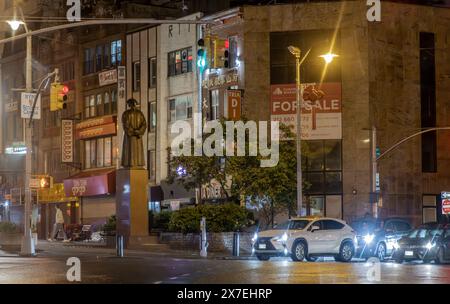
[[294, 50], [15, 24], [328, 57]]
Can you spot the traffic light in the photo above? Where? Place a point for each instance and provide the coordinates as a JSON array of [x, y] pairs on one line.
[[203, 53], [58, 96], [221, 53], [46, 182]]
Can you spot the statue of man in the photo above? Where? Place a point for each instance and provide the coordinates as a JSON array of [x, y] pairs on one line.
[[134, 126]]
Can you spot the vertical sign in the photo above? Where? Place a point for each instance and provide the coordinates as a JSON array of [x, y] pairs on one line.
[[121, 97], [234, 104], [26, 105], [445, 198], [67, 143]]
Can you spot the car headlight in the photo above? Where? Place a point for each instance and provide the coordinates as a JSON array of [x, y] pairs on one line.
[[430, 245], [255, 237], [284, 237], [396, 245], [368, 238]]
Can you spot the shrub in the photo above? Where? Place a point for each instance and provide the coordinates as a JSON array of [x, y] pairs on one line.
[[110, 227], [8, 227], [219, 218], [160, 220]]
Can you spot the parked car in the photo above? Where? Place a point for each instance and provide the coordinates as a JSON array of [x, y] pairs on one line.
[[270, 243], [319, 237], [428, 242], [377, 237]]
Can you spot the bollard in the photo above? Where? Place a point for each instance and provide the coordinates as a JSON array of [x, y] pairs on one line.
[[119, 245], [236, 244], [203, 241]]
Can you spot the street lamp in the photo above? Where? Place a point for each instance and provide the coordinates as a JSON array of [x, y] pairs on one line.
[[27, 248], [15, 24], [328, 57]]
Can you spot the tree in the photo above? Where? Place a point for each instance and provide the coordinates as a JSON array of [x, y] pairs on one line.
[[270, 189]]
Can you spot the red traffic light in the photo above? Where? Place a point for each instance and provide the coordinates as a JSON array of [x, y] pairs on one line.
[[65, 89]]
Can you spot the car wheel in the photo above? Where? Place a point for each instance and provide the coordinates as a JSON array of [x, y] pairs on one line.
[[311, 258], [262, 257], [440, 257], [381, 252], [299, 251], [346, 252]]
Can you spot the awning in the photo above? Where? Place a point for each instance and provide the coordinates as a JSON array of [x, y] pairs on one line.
[[91, 183]]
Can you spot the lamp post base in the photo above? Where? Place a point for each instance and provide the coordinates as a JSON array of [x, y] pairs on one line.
[[27, 249]]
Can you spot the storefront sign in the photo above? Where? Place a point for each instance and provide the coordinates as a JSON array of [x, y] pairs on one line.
[[16, 148], [103, 130], [234, 104], [95, 122], [11, 106], [102, 126], [321, 109], [445, 198], [100, 184], [221, 80], [108, 77], [35, 183], [27, 100], [54, 194], [67, 141]]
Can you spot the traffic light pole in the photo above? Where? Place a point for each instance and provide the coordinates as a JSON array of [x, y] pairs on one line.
[[27, 248], [374, 170]]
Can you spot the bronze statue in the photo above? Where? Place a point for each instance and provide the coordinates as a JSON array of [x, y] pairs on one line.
[[134, 126]]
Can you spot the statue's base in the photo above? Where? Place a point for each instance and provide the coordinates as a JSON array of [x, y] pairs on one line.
[[131, 203]]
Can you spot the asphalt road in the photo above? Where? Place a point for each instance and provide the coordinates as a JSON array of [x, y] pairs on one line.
[[99, 266]]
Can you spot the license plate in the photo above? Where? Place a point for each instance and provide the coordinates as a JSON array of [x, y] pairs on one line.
[[262, 246], [409, 253]]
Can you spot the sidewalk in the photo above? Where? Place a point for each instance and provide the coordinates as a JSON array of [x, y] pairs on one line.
[[157, 250]]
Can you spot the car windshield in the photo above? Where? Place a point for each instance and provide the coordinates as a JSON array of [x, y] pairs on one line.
[[362, 226], [298, 224], [282, 226], [422, 233]]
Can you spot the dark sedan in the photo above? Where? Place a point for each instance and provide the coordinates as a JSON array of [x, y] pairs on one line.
[[429, 242], [377, 237]]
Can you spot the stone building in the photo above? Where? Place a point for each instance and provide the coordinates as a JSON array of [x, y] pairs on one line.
[[392, 75]]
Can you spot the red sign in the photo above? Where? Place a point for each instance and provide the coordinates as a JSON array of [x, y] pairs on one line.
[[321, 109], [446, 206], [234, 104], [88, 184]]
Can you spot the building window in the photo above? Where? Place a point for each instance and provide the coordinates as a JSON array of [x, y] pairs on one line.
[[233, 51], [214, 105], [282, 63], [67, 71], [116, 53], [99, 104], [89, 61], [152, 165], [152, 72], [180, 108], [102, 57], [100, 152], [180, 62], [99, 58], [136, 76], [428, 100], [152, 117]]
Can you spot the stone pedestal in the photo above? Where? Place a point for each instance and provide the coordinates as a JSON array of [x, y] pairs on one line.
[[131, 204]]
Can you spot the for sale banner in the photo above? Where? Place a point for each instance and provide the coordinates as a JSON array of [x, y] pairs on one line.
[[321, 109]]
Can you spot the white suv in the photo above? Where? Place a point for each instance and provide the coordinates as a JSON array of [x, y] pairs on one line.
[[317, 237]]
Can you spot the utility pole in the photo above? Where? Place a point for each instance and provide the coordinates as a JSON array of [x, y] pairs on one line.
[[27, 248], [374, 200]]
